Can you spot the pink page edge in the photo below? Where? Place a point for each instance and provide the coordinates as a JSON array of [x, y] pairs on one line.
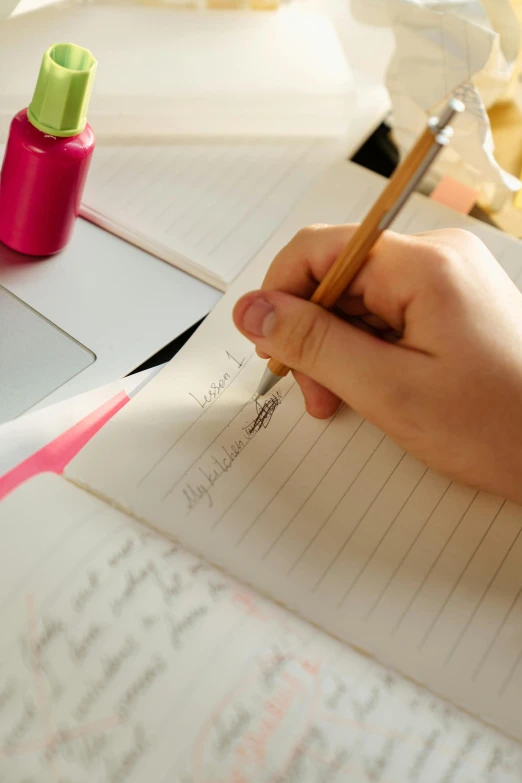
[[56, 455]]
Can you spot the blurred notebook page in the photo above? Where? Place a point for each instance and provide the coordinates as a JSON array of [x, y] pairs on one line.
[[124, 659], [206, 209], [167, 72], [330, 518]]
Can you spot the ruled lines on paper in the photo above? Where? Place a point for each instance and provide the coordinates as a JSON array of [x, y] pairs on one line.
[[126, 641], [211, 205], [331, 518], [334, 519]]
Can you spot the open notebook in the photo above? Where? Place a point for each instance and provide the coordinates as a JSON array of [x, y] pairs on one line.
[[124, 657], [206, 209]]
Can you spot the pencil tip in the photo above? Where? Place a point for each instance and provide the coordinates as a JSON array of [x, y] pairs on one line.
[[255, 397]]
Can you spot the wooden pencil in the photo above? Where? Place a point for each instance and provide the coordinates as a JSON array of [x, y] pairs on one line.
[[392, 199]]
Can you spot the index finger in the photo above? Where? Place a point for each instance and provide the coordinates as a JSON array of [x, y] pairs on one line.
[[385, 284], [304, 261], [301, 265]]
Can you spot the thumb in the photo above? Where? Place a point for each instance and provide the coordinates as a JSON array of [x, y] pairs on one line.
[[362, 370]]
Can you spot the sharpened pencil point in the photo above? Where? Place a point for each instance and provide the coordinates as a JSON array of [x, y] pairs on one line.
[[268, 381], [255, 397]]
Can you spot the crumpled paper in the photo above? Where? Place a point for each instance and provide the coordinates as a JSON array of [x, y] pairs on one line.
[[465, 48]]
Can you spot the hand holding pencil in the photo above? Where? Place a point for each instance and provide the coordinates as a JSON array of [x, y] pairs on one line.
[[381, 216], [448, 390]]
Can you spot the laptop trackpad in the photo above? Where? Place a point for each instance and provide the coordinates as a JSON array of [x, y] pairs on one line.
[[36, 357]]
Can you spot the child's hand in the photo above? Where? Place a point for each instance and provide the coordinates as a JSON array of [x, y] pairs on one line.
[[449, 389]]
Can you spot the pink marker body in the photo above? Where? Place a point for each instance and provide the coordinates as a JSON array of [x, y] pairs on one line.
[[41, 186]]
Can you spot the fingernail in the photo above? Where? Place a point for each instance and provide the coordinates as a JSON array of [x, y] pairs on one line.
[[259, 317]]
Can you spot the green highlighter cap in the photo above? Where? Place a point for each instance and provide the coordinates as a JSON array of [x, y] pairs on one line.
[[63, 90]]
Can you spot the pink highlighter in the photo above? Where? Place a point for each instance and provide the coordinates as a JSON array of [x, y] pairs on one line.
[[48, 155]]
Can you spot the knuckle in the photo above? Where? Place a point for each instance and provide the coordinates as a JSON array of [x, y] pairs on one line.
[[307, 338], [462, 237], [304, 235], [443, 263], [467, 244], [455, 246]]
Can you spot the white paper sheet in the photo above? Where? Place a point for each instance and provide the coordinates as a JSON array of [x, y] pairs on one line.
[[330, 518]]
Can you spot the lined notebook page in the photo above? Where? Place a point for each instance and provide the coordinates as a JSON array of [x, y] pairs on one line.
[[206, 209], [330, 518], [123, 657]]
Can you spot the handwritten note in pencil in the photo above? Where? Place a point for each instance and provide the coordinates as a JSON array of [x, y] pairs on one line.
[[221, 460]]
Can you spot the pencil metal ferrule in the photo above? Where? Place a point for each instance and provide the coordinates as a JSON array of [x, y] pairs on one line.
[[440, 126]]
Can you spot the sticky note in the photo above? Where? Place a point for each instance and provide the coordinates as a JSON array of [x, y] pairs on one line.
[[455, 194]]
